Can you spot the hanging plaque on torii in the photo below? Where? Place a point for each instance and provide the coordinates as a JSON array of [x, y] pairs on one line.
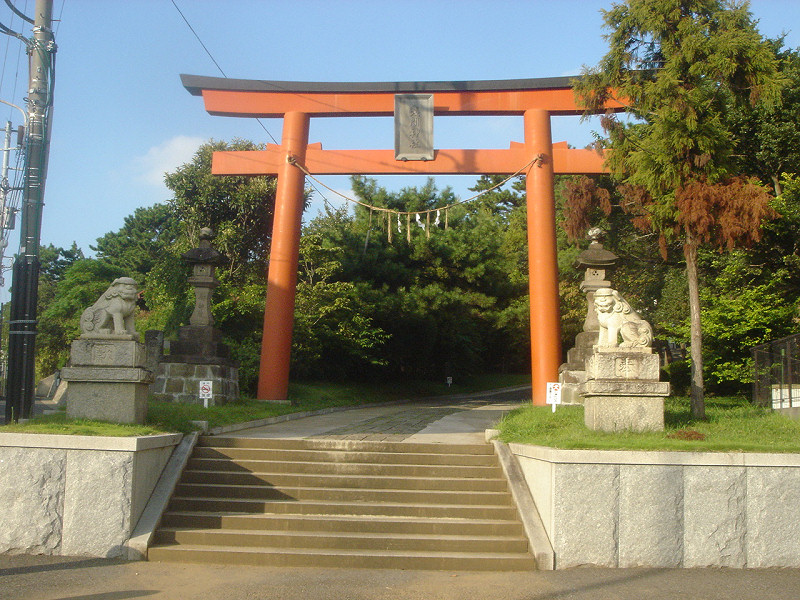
[[413, 127], [297, 102]]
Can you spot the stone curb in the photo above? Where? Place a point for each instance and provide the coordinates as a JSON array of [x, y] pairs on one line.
[[540, 545], [89, 442], [136, 547], [324, 411], [656, 457]]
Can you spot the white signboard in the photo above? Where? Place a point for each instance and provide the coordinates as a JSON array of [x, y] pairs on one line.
[[206, 392], [553, 394]]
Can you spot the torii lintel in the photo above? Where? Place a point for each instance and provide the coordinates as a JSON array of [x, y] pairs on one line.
[[261, 98]]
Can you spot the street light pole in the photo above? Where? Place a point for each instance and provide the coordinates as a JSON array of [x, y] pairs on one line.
[[24, 291]]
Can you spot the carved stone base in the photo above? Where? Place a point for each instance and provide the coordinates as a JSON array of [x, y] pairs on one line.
[[629, 363], [105, 352], [624, 413], [117, 402], [107, 380], [616, 387]]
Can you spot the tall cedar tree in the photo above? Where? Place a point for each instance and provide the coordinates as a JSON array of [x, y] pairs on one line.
[[679, 66]]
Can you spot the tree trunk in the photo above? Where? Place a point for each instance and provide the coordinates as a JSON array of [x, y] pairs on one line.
[[776, 183], [696, 346]]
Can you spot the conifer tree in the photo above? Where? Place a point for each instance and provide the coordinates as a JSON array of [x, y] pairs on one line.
[[679, 66]]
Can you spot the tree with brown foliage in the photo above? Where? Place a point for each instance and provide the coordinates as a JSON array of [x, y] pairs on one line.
[[680, 65]]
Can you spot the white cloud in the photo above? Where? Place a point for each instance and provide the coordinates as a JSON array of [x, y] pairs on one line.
[[165, 158]]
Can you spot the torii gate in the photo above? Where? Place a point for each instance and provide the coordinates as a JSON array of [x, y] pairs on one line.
[[535, 99]]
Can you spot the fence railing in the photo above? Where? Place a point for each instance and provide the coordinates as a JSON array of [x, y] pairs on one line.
[[776, 376]]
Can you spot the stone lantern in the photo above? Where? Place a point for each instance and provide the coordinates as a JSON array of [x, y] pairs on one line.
[[203, 260], [198, 355], [596, 261]]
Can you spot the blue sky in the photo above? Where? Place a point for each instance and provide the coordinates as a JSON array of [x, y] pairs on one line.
[[122, 118]]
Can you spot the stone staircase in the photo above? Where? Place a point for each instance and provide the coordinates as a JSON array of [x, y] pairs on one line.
[[338, 503]]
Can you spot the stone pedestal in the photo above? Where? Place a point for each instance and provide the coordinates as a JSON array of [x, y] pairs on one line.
[[107, 379], [623, 413], [180, 381], [622, 391], [197, 355]]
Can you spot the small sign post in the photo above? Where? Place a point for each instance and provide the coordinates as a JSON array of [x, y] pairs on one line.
[[553, 394], [206, 392]]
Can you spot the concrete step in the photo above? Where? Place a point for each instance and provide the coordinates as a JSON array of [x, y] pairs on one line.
[[351, 469], [342, 456], [343, 503], [348, 445], [344, 481], [385, 525], [341, 540], [368, 559], [267, 492], [310, 507]]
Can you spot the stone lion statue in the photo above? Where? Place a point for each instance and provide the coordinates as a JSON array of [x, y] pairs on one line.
[[617, 318], [113, 313]]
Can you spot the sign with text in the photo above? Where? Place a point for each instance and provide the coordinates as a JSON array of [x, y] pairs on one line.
[[413, 127], [553, 394]]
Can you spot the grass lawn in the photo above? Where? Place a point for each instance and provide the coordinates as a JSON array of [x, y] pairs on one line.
[[164, 417], [733, 425]]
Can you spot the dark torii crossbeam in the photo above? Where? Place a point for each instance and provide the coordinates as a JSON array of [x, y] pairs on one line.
[[536, 100]]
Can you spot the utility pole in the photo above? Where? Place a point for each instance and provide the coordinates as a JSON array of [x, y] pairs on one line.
[[24, 291], [7, 219]]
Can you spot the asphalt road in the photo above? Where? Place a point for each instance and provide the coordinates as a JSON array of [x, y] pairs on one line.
[[62, 578]]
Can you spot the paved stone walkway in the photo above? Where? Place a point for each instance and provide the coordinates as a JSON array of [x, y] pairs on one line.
[[454, 419], [390, 428]]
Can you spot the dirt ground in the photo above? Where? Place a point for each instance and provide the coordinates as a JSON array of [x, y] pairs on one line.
[[61, 578]]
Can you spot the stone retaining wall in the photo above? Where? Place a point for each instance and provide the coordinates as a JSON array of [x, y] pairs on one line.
[[666, 509], [76, 495]]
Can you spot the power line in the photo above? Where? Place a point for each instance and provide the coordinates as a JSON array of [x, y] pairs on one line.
[[60, 14], [24, 40], [189, 25], [21, 15]]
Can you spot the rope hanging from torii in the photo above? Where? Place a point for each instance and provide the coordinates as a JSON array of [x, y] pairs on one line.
[[537, 160]]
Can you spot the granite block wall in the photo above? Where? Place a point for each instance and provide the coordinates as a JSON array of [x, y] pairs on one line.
[[76, 495], [666, 509]]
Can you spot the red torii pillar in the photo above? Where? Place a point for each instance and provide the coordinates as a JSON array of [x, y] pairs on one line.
[[535, 99]]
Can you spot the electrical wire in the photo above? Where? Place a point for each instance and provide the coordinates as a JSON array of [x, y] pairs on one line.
[[189, 25], [58, 21], [21, 15], [13, 181], [314, 179], [19, 61]]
